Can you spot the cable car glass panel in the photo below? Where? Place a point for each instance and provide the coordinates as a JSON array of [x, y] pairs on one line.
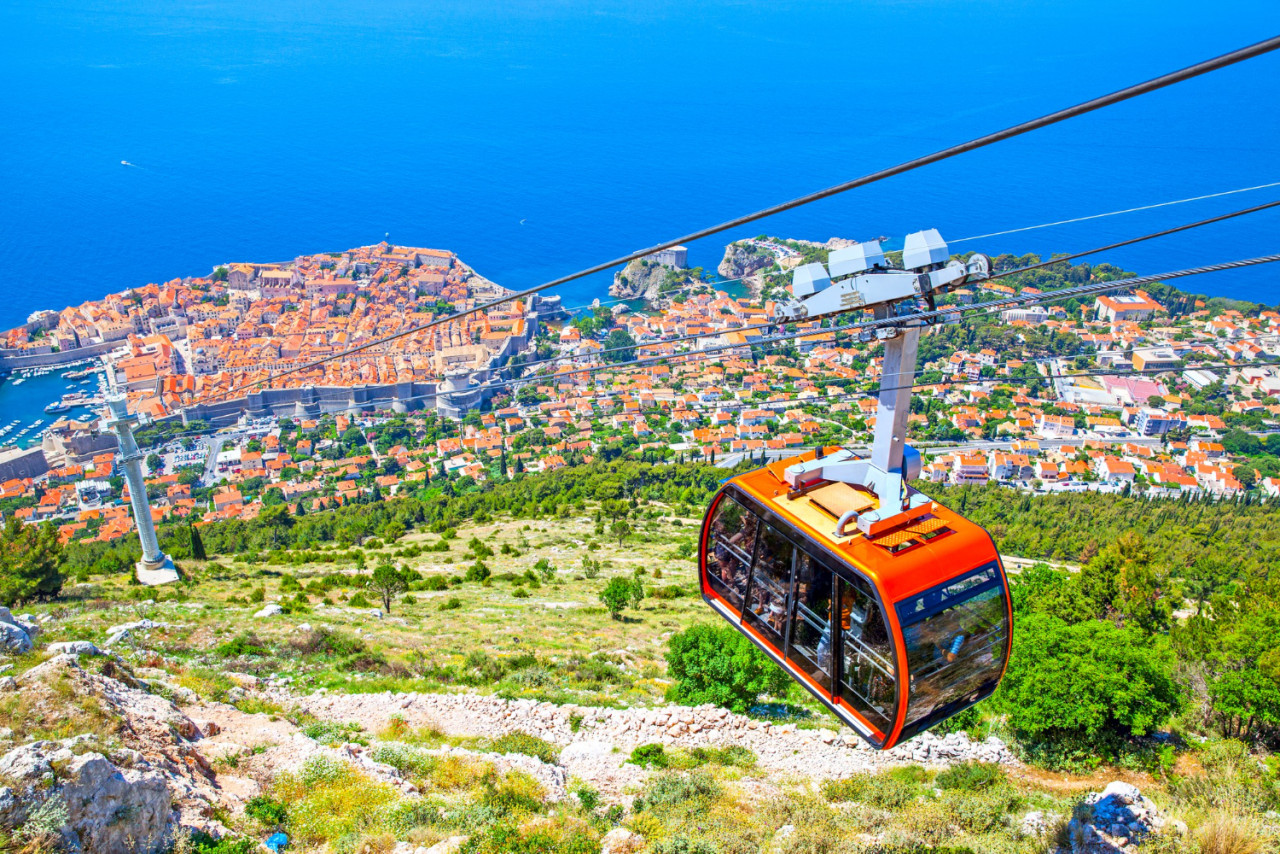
[[866, 671], [956, 635], [811, 642], [732, 542], [767, 595]]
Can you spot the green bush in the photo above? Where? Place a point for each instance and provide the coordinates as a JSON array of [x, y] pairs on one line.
[[883, 792], [971, 776], [453, 603], [266, 810], [1089, 681], [588, 797], [244, 644], [331, 732], [359, 601], [716, 664], [203, 843], [328, 643], [668, 788], [650, 756], [528, 745]]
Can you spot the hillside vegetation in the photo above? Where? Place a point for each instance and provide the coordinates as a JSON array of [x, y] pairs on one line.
[[1157, 660]]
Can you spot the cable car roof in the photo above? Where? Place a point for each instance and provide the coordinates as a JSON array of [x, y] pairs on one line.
[[928, 545]]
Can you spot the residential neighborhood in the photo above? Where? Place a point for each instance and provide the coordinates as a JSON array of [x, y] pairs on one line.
[[1116, 394]]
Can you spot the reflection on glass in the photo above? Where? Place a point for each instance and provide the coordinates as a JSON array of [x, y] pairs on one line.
[[811, 625], [956, 636], [867, 668], [770, 580], [731, 543]]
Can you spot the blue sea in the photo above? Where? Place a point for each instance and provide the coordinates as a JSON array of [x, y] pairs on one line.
[[535, 137]]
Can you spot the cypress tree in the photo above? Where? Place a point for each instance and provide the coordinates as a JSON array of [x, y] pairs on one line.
[[197, 544]]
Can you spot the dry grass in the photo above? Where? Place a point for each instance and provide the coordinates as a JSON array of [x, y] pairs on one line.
[[1227, 833]]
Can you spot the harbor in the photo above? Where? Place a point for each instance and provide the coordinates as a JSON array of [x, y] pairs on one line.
[[32, 399]]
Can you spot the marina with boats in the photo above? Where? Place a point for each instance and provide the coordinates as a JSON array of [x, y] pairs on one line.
[[32, 399]]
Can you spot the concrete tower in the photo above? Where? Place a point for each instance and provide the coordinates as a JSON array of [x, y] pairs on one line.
[[155, 567]]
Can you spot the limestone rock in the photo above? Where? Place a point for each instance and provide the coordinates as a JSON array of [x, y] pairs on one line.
[[621, 841], [452, 845], [114, 810], [8, 683], [271, 610], [13, 638], [74, 648]]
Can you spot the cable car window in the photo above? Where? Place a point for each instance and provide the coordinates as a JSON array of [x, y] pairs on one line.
[[811, 642], [770, 583], [866, 680], [730, 546], [956, 637]]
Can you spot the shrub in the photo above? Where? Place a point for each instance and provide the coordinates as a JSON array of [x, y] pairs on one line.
[[559, 835], [1089, 680], [883, 791], [716, 664], [477, 572], [359, 601], [434, 583], [329, 799], [330, 732], [200, 842], [244, 644], [515, 793], [328, 642], [453, 603], [971, 776], [266, 810], [669, 788], [1227, 833], [649, 756], [529, 745], [616, 595], [520, 593], [588, 797], [407, 760]]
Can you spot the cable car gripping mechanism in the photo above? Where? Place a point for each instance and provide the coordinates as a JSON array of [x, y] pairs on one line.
[[859, 277]]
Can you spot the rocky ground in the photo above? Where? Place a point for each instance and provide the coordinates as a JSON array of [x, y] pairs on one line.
[[152, 768]]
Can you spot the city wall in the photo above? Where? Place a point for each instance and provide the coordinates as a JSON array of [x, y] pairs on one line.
[[12, 360]]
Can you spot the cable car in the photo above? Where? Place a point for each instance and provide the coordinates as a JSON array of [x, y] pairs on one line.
[[893, 632], [889, 608]]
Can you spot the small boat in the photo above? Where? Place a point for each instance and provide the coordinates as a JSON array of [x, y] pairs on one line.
[[57, 406]]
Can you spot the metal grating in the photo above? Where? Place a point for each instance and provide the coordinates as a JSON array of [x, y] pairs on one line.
[[927, 526], [894, 539]]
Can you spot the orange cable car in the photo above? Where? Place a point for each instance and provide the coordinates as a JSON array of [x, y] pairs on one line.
[[889, 608]]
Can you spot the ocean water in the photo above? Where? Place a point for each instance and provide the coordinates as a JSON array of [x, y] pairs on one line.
[[535, 137]]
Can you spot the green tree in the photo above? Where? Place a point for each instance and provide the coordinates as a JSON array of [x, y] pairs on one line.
[[1089, 680], [620, 529], [29, 557], [197, 544], [621, 341], [637, 592], [716, 664], [154, 462], [616, 595], [1044, 590], [387, 581]]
